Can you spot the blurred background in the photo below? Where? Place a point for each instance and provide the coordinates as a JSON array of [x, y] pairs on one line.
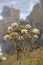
[[23, 12]]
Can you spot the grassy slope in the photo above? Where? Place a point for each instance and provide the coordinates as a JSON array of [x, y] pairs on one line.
[[31, 58]]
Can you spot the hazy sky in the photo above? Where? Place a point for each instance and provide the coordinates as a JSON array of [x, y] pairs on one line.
[[25, 6]]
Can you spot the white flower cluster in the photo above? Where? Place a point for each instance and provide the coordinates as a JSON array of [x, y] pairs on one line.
[[7, 37], [14, 25], [9, 29], [14, 34], [36, 31], [35, 36], [3, 58], [28, 26], [24, 31]]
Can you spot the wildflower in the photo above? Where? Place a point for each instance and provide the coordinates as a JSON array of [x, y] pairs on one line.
[[28, 26], [24, 31], [27, 36], [14, 25], [35, 36], [7, 37], [9, 29], [4, 58], [14, 35], [35, 31]]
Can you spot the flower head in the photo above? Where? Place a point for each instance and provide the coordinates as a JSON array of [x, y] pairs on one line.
[[35, 36], [7, 37], [27, 37], [28, 26], [14, 25], [24, 31], [14, 35], [9, 29], [35, 31], [4, 58]]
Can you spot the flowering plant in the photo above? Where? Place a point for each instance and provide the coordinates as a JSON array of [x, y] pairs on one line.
[[21, 34]]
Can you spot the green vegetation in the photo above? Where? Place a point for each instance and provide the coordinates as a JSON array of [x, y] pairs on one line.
[[30, 58]]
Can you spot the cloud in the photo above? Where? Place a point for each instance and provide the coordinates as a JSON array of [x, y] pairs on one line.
[[25, 6]]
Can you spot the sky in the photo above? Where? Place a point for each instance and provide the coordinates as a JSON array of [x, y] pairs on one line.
[[0, 50], [25, 6]]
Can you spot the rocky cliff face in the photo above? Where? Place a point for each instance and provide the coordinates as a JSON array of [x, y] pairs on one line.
[[36, 16], [6, 11]]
